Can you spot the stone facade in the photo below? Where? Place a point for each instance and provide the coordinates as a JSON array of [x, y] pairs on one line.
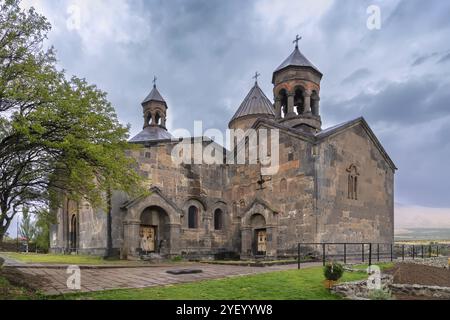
[[333, 185]]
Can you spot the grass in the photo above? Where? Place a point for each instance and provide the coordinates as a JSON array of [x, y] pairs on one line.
[[382, 265], [62, 259], [9, 291], [282, 285]]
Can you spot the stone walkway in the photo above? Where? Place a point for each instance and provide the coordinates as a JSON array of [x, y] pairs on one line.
[[51, 281]]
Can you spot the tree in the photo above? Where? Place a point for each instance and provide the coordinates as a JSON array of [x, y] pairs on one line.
[[45, 219], [27, 227], [58, 137]]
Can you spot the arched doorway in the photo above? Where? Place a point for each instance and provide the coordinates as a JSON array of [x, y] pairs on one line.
[[73, 236], [259, 234], [154, 231]]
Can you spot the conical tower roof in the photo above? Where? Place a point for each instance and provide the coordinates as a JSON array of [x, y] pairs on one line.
[[296, 59], [255, 103], [154, 95]]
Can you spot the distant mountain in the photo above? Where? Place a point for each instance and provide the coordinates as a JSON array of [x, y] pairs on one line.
[[422, 234]]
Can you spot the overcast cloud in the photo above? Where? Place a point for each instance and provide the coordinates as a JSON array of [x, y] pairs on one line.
[[204, 54]]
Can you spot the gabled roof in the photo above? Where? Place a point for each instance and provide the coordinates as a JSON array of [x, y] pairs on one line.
[[322, 135], [151, 133], [153, 190], [256, 102], [154, 95], [296, 59]]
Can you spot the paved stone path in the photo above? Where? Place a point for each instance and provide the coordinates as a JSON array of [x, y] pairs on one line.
[[54, 280]]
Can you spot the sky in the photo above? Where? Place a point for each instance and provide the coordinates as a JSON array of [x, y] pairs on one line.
[[205, 52]]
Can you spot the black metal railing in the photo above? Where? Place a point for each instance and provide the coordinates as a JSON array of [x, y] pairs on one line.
[[368, 251]]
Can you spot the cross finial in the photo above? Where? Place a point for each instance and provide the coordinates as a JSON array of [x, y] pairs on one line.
[[297, 39], [256, 77], [154, 81]]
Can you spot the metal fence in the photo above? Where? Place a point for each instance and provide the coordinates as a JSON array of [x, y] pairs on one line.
[[368, 251]]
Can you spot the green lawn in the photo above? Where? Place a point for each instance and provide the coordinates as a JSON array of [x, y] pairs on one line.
[[11, 292], [281, 285], [62, 259]]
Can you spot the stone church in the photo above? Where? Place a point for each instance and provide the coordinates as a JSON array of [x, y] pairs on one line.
[[332, 185]]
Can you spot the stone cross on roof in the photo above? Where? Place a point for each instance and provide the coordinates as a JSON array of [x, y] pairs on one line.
[[154, 81], [256, 76], [297, 39]]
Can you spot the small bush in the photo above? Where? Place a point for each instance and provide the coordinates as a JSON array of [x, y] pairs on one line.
[[177, 259], [379, 294], [333, 271]]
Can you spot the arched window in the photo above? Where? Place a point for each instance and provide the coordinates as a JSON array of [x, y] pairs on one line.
[[299, 101], [148, 119], [283, 100], [73, 233], [218, 219], [283, 185], [352, 192], [193, 217], [157, 119]]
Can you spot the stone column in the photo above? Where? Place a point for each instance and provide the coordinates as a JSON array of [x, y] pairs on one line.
[[317, 102], [272, 241], [174, 239], [131, 241], [307, 99], [246, 242], [278, 108], [290, 102]]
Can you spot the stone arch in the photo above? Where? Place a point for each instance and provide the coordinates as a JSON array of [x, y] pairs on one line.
[[299, 99], [200, 214], [155, 199], [225, 217], [282, 96]]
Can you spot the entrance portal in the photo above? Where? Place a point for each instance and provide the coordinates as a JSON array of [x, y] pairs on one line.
[[154, 232]]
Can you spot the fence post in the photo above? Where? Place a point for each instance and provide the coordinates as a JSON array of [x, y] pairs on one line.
[[370, 254], [429, 251], [413, 252], [345, 253], [323, 254], [437, 251], [392, 253], [403, 252], [298, 252], [378, 252], [362, 251], [422, 251]]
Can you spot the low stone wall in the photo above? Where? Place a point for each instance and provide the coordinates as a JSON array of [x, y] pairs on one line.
[[358, 290], [421, 291], [439, 262]]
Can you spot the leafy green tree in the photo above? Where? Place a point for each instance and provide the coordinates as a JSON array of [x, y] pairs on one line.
[[27, 227], [58, 136], [45, 219]]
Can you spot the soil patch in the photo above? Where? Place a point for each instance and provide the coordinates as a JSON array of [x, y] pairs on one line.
[[408, 273]]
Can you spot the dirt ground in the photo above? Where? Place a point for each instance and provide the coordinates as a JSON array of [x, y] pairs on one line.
[[408, 273]]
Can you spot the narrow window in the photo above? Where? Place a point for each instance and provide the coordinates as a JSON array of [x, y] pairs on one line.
[[193, 217], [352, 188], [218, 219]]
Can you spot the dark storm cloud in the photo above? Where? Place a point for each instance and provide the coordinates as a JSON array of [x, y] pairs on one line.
[[204, 54], [357, 75]]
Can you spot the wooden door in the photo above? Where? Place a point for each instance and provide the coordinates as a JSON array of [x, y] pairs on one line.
[[148, 234], [261, 238]]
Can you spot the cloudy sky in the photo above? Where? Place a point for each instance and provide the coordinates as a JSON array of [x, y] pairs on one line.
[[204, 54]]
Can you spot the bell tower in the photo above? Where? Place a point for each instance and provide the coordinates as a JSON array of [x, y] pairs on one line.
[[155, 109], [297, 92]]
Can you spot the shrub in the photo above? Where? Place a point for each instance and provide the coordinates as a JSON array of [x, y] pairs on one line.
[[379, 294], [333, 271], [177, 259]]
